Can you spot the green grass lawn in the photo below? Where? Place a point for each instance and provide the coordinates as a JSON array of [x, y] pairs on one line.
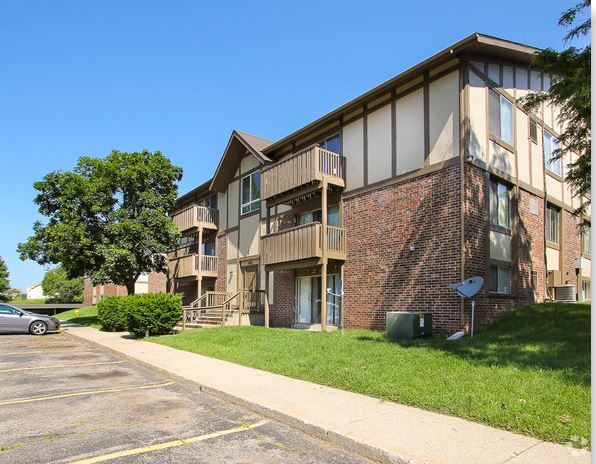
[[529, 373], [88, 316], [26, 302]]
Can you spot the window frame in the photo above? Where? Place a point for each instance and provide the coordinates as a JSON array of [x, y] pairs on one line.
[[494, 264], [548, 222], [548, 164], [533, 138], [586, 239], [498, 137], [253, 204]]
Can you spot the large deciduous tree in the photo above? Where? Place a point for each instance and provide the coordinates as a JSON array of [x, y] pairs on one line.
[[107, 218], [4, 281], [60, 288], [571, 93]]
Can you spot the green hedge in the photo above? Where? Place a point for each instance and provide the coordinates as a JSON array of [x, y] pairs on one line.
[[152, 313], [111, 314]]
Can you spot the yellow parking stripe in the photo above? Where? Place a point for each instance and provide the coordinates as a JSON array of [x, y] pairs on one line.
[[170, 444], [82, 393], [61, 366]]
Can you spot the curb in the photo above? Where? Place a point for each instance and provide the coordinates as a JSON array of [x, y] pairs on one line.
[[351, 444]]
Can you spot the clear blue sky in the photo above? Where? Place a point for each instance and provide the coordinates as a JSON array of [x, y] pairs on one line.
[[85, 77]]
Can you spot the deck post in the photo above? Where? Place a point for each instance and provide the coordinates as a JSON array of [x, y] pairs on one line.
[[198, 264], [266, 309], [324, 253]]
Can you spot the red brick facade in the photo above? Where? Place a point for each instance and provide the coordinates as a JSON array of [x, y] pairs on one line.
[[403, 251], [222, 263], [156, 283], [571, 234], [282, 310]]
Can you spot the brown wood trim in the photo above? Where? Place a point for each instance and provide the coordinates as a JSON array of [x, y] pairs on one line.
[[553, 246], [499, 141], [425, 170], [555, 176], [426, 116]]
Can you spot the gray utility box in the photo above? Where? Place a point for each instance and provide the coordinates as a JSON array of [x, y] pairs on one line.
[[405, 325]]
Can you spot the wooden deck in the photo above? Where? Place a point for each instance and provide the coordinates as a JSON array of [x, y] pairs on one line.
[[196, 216]]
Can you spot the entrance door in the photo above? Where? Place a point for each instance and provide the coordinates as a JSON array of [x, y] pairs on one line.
[[249, 274], [308, 299]]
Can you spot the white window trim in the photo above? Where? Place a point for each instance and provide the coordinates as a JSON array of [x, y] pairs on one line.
[[548, 164], [250, 204]]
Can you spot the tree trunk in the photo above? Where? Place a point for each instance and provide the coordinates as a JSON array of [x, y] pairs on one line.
[[130, 287]]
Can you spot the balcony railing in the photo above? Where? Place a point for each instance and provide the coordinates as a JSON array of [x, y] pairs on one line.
[[195, 216], [303, 242], [304, 168], [209, 266]]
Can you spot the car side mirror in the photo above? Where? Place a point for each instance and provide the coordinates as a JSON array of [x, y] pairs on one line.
[[20, 314]]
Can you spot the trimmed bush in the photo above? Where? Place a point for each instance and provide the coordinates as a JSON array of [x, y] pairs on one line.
[[152, 313], [111, 313]]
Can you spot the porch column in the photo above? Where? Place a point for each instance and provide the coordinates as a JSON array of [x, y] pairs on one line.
[[266, 309], [324, 266], [198, 264]]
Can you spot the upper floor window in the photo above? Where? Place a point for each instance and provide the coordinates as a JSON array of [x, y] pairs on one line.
[[209, 201], [331, 143], [500, 205], [501, 116], [316, 216], [551, 144], [188, 240], [208, 248], [533, 131], [250, 193], [586, 236], [552, 224]]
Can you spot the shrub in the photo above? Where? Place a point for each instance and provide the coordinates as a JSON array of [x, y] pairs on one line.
[[153, 313], [111, 313]]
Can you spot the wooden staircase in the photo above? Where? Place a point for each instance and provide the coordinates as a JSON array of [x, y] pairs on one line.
[[220, 308]]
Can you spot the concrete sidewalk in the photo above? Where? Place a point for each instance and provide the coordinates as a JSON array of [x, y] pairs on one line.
[[380, 430]]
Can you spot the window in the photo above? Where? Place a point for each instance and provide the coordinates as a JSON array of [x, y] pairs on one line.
[[552, 224], [188, 240], [500, 211], [331, 143], [208, 248], [585, 296], [250, 195], [533, 131], [316, 216], [501, 116], [551, 144], [5, 309], [499, 279], [500, 202], [586, 237]]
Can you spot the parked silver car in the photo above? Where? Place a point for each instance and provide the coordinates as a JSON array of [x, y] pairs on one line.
[[14, 320]]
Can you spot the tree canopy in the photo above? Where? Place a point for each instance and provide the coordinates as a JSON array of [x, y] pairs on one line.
[[571, 93], [60, 289], [107, 218], [4, 281]]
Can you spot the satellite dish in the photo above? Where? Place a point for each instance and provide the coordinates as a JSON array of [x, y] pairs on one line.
[[469, 287]]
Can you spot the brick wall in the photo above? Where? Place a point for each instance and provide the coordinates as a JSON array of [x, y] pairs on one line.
[[571, 236], [383, 273], [282, 310], [222, 263], [157, 282], [87, 291]]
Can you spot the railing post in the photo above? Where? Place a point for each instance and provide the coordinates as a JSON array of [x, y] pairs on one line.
[[183, 319], [266, 308]]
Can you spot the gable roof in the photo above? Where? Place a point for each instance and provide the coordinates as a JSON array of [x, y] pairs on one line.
[[238, 144], [475, 43]]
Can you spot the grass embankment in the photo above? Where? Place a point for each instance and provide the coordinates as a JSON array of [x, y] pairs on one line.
[[29, 302], [529, 372], [88, 316]]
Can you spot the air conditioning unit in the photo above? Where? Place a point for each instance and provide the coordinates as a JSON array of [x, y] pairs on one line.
[[565, 293], [405, 325], [553, 278]]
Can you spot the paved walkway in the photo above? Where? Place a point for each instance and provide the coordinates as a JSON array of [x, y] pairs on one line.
[[383, 431]]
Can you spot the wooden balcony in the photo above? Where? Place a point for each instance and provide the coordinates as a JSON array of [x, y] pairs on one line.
[[303, 242], [196, 216], [308, 167], [188, 266]]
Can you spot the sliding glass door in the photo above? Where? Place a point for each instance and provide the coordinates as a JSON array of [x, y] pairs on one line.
[[308, 299]]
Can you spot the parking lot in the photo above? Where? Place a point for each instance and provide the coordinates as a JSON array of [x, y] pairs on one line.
[[63, 400]]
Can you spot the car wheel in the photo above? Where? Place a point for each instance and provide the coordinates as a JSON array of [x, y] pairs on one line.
[[38, 328]]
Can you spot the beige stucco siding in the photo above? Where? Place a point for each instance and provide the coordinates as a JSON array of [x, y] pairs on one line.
[[249, 236], [379, 144], [222, 205], [353, 150], [444, 118], [232, 245], [523, 149], [249, 163], [536, 159], [552, 259], [233, 199], [477, 108], [586, 270], [554, 188], [231, 278], [501, 159], [409, 127]]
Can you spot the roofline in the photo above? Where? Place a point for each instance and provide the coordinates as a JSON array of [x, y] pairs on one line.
[[409, 73], [194, 191]]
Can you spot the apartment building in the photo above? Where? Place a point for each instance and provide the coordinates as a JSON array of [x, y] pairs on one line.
[[435, 175], [152, 282]]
